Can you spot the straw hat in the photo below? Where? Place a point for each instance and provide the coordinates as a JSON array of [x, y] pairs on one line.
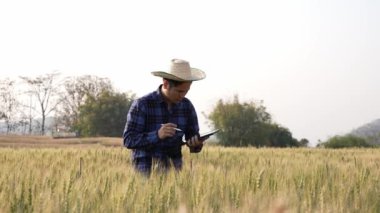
[[180, 70]]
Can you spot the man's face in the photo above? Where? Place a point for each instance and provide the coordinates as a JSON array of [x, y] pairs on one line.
[[176, 94]]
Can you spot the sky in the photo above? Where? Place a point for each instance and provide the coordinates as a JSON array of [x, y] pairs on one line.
[[313, 64]]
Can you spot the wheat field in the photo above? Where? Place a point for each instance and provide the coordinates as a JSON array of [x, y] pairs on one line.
[[98, 177]]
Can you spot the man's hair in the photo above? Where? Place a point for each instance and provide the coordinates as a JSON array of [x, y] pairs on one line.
[[174, 83]]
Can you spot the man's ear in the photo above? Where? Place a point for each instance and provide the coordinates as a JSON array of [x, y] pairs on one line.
[[165, 84]]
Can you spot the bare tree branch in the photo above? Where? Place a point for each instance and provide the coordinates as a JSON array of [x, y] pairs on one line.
[[46, 91]]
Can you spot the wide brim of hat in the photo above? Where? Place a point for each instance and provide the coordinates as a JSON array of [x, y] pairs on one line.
[[196, 75]]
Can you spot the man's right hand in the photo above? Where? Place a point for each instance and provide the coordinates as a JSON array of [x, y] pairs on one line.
[[167, 130]]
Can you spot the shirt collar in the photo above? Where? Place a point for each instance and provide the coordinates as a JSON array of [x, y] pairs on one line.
[[160, 96]]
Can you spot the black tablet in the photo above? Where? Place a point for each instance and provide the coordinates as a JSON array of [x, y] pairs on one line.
[[205, 135]]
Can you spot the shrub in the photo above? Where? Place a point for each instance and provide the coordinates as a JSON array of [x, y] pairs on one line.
[[346, 141]]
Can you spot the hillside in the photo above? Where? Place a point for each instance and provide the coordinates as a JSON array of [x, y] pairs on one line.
[[371, 131]]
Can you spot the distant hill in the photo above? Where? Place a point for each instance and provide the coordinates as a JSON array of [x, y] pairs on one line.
[[370, 131]]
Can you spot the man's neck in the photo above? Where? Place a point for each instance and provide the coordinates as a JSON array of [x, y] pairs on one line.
[[165, 97]]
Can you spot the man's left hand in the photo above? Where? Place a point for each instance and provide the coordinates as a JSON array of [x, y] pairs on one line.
[[195, 145]]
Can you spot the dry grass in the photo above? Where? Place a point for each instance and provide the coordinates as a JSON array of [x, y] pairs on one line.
[[98, 178], [17, 141]]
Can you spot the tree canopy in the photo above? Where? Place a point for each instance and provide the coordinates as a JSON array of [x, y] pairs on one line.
[[104, 115], [248, 124], [76, 91]]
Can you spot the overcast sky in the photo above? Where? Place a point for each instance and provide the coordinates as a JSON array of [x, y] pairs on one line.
[[314, 64]]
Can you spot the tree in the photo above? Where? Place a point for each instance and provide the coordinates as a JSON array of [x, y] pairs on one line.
[[104, 115], [76, 91], [248, 124], [281, 137], [28, 116], [304, 142], [46, 90], [8, 104], [242, 124]]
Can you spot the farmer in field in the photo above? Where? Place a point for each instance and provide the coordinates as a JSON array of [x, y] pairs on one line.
[[157, 122]]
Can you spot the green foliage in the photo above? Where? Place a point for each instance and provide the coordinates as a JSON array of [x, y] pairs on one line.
[[345, 141], [76, 91], [303, 142], [242, 124], [281, 137], [104, 115], [248, 124]]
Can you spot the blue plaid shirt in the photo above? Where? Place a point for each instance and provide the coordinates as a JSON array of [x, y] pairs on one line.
[[144, 119]]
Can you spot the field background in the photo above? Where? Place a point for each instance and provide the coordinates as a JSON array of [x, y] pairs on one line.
[[40, 174]]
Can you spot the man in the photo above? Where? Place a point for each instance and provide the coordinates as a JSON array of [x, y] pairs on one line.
[[157, 122]]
